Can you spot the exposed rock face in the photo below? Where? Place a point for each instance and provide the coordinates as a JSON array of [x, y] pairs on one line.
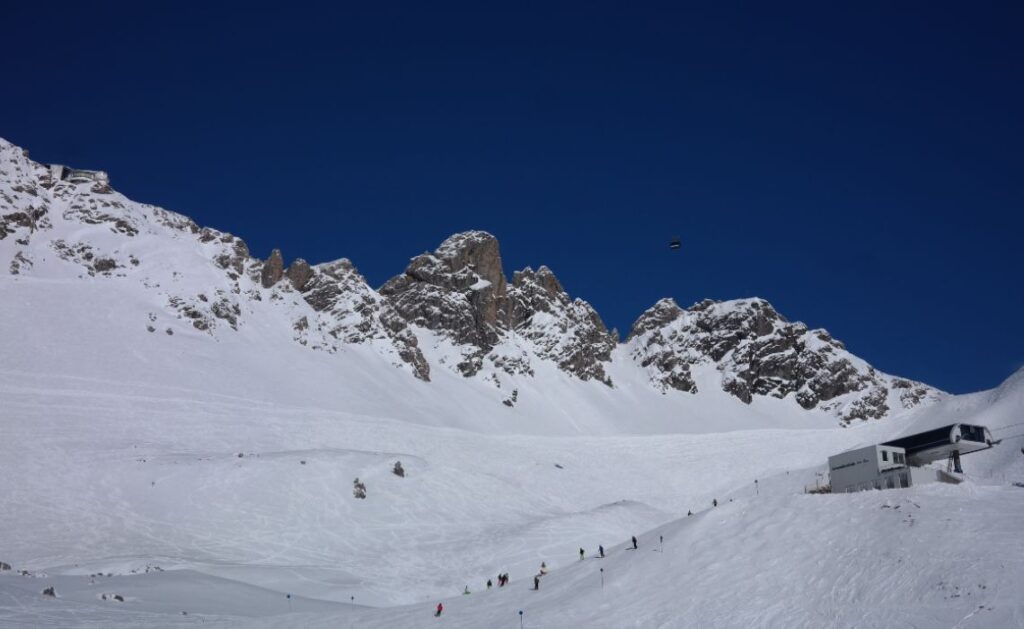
[[654, 341], [273, 269], [93, 231], [760, 353], [569, 332], [479, 324], [352, 312], [299, 273], [460, 291]]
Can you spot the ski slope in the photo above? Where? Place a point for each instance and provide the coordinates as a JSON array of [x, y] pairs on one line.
[[107, 477], [179, 442]]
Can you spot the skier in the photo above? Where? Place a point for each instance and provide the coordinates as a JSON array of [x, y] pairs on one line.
[[600, 550], [536, 581], [466, 591], [689, 513], [581, 554], [634, 542], [714, 502], [543, 568], [488, 584], [440, 608]]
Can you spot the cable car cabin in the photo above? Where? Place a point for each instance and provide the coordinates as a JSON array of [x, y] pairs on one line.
[[946, 443], [874, 467]]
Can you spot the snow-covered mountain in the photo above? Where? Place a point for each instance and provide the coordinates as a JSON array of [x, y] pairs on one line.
[[758, 352], [451, 310], [181, 425]]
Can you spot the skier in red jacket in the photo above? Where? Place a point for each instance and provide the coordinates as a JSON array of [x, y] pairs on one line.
[[440, 608]]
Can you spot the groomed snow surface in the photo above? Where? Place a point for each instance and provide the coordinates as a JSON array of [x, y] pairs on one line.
[[144, 483]]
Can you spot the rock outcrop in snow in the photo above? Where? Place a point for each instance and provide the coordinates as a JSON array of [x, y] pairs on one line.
[[566, 331], [759, 353], [204, 278], [350, 311], [455, 302], [460, 291]]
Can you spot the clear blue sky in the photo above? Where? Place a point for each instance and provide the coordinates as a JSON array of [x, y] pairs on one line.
[[860, 167]]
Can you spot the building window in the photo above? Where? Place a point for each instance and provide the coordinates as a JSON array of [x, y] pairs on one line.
[[885, 455]]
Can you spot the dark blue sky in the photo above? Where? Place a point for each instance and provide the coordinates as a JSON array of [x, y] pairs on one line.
[[859, 167]]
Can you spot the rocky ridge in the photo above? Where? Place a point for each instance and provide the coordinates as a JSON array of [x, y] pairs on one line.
[[205, 278], [461, 292], [759, 353], [498, 329]]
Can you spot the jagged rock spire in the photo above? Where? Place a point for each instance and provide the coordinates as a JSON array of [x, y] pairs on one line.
[[460, 290]]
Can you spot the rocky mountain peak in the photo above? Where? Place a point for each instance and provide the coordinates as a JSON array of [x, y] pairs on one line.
[[759, 353], [299, 273], [655, 317], [477, 251], [565, 330], [69, 221], [273, 269], [62, 222], [458, 290], [348, 310], [542, 277]]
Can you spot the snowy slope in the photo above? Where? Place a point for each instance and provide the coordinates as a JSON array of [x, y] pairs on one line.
[[1001, 410], [104, 478], [104, 482], [188, 420], [145, 291], [870, 560]]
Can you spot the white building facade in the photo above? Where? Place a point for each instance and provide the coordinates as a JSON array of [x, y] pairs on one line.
[[871, 467]]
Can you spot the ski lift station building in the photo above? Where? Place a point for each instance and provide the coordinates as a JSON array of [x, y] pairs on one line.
[[872, 467], [885, 466]]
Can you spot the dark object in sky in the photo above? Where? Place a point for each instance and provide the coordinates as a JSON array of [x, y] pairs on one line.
[[675, 243]]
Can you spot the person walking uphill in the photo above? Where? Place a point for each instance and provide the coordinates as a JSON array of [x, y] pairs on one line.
[[581, 554], [536, 581], [440, 608], [634, 542], [600, 549]]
